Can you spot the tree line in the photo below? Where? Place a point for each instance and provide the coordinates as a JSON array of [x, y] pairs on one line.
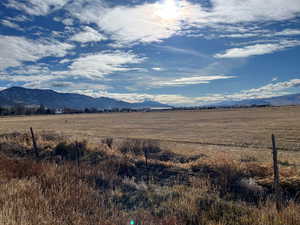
[[20, 109]]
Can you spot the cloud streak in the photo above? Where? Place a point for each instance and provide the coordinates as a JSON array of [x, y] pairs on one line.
[[16, 50], [11, 24], [153, 22], [103, 63], [258, 49], [266, 91], [88, 35], [37, 7], [190, 80]]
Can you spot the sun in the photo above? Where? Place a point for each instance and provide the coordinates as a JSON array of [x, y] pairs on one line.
[[168, 10]]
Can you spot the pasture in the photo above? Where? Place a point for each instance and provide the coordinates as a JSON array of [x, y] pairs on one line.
[[158, 168], [241, 131]]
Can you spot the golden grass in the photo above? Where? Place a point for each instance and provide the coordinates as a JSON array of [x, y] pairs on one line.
[[232, 127], [109, 187], [236, 132], [197, 175]]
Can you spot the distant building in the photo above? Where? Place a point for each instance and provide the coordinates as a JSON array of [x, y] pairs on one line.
[[161, 108], [59, 111]]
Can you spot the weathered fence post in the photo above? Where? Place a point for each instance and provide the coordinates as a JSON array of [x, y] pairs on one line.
[[34, 143], [77, 153], [77, 175], [146, 164], [276, 184]]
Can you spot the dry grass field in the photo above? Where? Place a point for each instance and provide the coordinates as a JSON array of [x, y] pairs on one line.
[[209, 167], [186, 132], [237, 127]]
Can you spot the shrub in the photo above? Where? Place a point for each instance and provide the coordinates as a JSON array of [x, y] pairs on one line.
[[70, 151], [108, 141], [248, 158], [140, 147]]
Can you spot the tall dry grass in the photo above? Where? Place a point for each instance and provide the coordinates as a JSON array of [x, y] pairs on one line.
[[109, 187]]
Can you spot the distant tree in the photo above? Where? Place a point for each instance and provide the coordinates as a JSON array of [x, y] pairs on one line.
[[49, 111], [30, 111], [93, 110], [20, 109], [41, 109]]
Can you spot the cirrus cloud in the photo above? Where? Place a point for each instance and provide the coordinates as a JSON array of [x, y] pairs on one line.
[[88, 35], [37, 7], [191, 80], [258, 49], [156, 21], [16, 50], [103, 63]]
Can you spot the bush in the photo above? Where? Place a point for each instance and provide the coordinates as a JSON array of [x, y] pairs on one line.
[[248, 158], [70, 151], [108, 141], [140, 147]]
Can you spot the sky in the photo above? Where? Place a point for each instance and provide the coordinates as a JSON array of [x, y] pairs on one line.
[[178, 52]]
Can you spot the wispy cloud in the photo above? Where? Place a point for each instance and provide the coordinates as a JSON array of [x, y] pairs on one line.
[[235, 11], [19, 18], [103, 63], [68, 21], [270, 89], [157, 69], [11, 24], [261, 33], [16, 50], [88, 35], [37, 7], [156, 21], [266, 91], [68, 86], [190, 80], [258, 49], [288, 32], [183, 51], [139, 97], [31, 75], [139, 23]]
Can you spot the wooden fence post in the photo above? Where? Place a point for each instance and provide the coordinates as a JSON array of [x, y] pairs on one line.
[[276, 184], [78, 174], [146, 164], [77, 153], [34, 143]]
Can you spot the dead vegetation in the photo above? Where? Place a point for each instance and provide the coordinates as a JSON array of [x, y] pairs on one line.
[[119, 181]]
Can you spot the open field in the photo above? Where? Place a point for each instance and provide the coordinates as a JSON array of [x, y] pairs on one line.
[[187, 132], [210, 167], [238, 127]]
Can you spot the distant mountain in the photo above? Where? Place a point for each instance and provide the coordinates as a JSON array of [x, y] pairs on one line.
[[4, 101], [149, 104], [52, 99], [293, 99]]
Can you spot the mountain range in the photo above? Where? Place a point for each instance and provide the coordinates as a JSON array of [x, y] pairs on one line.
[[293, 99], [54, 100]]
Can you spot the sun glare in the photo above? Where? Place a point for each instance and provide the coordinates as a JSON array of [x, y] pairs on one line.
[[168, 10]]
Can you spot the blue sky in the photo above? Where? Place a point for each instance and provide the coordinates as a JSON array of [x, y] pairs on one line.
[[179, 52]]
